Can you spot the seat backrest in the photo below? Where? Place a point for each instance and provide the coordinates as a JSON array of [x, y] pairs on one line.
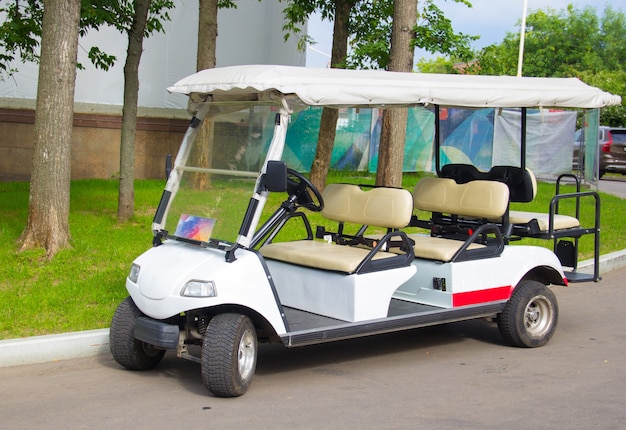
[[521, 182], [381, 207], [461, 173], [479, 198]]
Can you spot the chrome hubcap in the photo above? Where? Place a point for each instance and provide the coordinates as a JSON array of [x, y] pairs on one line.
[[246, 355], [538, 316]]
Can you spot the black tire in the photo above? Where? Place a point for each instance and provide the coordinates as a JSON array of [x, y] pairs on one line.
[[229, 354], [131, 353], [530, 317]]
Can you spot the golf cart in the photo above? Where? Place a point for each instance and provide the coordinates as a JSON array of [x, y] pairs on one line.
[[247, 250]]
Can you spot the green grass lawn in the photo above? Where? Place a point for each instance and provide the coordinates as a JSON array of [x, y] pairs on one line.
[[81, 287]]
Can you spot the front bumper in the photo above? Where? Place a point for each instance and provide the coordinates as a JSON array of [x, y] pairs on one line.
[[157, 333]]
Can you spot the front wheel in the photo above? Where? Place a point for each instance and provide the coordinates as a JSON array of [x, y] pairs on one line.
[[131, 353], [530, 317], [229, 353]]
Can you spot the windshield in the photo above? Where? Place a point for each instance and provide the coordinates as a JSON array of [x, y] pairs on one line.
[[218, 178]]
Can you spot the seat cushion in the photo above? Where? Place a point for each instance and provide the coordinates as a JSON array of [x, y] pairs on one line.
[[561, 222], [321, 255], [438, 248]]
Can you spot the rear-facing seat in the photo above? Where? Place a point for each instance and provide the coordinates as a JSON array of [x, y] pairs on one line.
[[524, 186], [390, 208], [448, 201], [554, 226]]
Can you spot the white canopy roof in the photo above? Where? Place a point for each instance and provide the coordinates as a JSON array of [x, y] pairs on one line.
[[339, 87]]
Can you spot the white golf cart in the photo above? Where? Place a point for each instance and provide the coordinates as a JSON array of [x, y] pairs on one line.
[[235, 260]]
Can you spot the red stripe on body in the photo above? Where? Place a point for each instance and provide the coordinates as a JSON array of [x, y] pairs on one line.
[[481, 296]]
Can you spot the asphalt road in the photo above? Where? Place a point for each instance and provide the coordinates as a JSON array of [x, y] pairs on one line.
[[447, 377], [615, 185]]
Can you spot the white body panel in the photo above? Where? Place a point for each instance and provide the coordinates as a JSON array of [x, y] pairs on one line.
[[337, 295], [477, 281], [166, 268]]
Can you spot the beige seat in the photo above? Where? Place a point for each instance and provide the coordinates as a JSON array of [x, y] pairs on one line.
[[476, 199], [522, 185], [560, 222], [322, 255], [564, 230], [438, 248], [479, 199], [382, 207]]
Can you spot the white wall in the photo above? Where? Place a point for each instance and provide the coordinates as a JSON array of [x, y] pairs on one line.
[[250, 34]]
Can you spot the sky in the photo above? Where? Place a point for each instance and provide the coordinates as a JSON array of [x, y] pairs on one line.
[[489, 19]]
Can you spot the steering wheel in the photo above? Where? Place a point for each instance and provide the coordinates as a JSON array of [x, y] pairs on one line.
[[305, 193]]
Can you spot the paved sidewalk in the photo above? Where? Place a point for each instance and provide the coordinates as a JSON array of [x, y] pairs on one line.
[[55, 347]]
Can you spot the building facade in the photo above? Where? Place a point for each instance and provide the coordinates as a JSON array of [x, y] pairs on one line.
[[250, 34]]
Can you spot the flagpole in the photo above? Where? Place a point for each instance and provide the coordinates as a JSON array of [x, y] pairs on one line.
[[521, 40]]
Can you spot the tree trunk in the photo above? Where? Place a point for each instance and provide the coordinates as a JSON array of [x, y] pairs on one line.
[[126, 195], [202, 151], [328, 124], [393, 132], [49, 201], [207, 34]]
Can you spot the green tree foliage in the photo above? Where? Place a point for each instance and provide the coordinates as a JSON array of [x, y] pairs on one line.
[[613, 81], [613, 30], [297, 13], [438, 65], [567, 43], [370, 30], [119, 14], [556, 44], [20, 33]]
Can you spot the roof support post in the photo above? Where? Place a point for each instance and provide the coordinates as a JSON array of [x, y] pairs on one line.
[[437, 141], [523, 140]]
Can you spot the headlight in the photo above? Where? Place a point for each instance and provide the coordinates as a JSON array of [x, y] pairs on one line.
[[134, 273], [196, 288]]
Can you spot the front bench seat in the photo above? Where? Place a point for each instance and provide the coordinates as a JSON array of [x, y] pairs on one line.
[[390, 208]]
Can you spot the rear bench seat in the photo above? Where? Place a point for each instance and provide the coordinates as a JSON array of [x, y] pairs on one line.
[[480, 200], [550, 226], [390, 208], [522, 186]]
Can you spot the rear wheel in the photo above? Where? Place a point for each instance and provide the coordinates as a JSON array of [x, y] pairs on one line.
[[530, 317], [229, 353], [131, 353]]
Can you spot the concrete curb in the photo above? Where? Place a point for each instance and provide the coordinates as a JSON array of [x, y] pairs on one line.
[[609, 262], [55, 347]]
